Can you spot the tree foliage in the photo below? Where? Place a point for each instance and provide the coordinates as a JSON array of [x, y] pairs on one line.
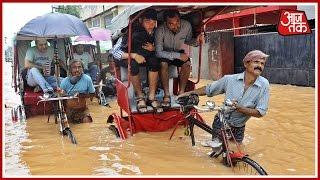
[[69, 9]]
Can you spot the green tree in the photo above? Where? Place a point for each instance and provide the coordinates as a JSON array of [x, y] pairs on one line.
[[69, 9]]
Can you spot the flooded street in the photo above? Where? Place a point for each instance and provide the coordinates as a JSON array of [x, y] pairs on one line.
[[283, 142]]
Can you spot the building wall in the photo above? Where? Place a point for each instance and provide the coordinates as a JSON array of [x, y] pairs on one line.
[[99, 15], [89, 11], [291, 61], [217, 57]]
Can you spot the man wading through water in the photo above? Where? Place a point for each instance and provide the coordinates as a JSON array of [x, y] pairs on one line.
[[249, 92], [78, 82]]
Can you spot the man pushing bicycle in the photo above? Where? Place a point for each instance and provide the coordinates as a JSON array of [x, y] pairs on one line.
[[249, 92]]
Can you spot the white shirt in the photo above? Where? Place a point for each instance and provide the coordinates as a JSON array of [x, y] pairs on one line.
[[84, 57]]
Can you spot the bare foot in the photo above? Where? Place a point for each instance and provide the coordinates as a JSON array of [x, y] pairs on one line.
[[87, 119]]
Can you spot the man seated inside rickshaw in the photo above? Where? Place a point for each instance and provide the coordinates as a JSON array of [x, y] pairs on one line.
[[107, 78], [143, 54], [90, 68], [38, 72], [169, 38], [76, 109]]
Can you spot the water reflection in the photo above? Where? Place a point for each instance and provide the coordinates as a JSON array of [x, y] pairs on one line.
[[15, 132]]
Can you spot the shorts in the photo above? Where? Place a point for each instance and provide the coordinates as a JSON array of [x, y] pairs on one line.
[[152, 64], [238, 132]]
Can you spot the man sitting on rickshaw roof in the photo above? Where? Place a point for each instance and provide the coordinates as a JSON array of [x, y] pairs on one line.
[[143, 54], [90, 68], [169, 38], [38, 61], [78, 82]]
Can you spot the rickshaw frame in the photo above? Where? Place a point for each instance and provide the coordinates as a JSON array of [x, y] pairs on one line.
[[135, 122]]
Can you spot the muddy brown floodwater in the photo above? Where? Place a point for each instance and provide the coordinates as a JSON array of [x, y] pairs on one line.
[[283, 142]]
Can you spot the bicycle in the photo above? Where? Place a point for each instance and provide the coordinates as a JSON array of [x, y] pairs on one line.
[[232, 159], [59, 110], [61, 116]]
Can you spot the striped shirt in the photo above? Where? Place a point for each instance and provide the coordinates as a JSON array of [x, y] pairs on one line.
[[116, 50], [255, 97], [169, 44]]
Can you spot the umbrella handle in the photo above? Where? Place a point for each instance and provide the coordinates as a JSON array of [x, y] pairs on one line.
[[56, 62]]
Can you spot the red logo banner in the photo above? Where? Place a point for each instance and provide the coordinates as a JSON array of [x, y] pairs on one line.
[[292, 22]]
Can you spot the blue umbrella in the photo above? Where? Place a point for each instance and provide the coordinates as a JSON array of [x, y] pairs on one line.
[[54, 25]]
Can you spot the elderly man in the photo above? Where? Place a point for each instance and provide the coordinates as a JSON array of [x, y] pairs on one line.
[[81, 83], [38, 62], [169, 39], [90, 68], [249, 92]]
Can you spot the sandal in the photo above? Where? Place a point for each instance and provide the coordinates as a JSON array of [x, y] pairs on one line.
[[154, 103], [141, 105], [166, 101]]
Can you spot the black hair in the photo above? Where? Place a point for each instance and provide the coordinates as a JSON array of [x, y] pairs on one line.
[[170, 13], [149, 14]]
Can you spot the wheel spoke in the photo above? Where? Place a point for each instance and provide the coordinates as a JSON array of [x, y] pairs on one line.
[[246, 166]]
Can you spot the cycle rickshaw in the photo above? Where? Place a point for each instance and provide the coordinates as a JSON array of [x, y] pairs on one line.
[[57, 28], [181, 112]]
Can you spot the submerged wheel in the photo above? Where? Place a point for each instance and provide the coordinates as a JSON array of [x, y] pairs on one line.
[[114, 130], [247, 166], [68, 132]]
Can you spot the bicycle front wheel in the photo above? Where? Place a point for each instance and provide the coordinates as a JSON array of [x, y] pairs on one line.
[[70, 135], [247, 166]]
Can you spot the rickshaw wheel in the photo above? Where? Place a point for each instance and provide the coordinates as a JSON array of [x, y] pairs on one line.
[[115, 130]]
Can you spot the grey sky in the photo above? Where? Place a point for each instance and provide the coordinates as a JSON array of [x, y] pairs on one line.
[[15, 15]]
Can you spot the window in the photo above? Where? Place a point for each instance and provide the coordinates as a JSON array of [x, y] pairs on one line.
[[96, 22], [107, 19]]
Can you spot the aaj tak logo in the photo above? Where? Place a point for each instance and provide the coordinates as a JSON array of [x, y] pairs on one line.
[[292, 22]]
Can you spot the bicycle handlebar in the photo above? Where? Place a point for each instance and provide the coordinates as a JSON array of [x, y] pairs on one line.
[[57, 98], [192, 100], [207, 109]]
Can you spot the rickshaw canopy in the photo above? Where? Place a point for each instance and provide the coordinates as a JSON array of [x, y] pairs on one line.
[[121, 21]]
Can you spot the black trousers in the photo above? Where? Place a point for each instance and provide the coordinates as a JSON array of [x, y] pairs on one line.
[[152, 64]]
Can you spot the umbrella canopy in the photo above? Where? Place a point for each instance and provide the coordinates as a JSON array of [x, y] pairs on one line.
[[98, 34], [84, 39], [53, 25]]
